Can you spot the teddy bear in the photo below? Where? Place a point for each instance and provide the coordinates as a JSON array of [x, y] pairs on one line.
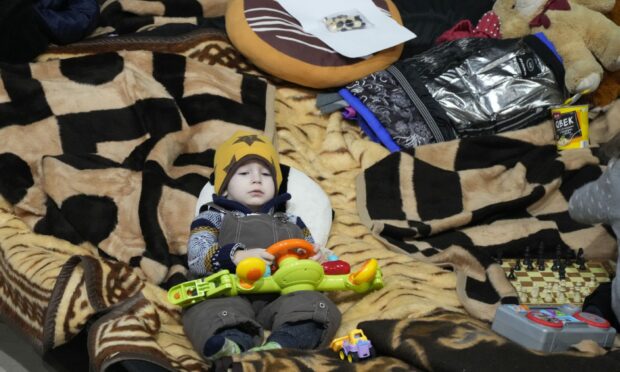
[[581, 34], [609, 89]]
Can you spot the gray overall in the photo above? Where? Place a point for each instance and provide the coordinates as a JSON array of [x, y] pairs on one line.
[[252, 313]]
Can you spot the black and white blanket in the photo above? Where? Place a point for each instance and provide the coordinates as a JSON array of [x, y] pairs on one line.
[[464, 202], [110, 150]]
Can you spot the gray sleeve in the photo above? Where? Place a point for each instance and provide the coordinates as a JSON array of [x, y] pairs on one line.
[[593, 202]]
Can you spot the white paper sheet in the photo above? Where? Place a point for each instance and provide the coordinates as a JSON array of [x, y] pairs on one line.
[[383, 33]]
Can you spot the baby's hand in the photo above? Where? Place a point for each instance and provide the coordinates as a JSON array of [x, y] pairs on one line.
[[318, 256], [240, 255]]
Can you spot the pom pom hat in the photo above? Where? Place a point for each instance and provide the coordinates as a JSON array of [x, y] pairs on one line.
[[239, 149]]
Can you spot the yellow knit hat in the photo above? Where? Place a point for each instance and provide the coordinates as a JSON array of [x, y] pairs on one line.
[[239, 149]]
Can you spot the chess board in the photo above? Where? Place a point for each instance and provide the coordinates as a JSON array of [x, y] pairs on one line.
[[536, 287]]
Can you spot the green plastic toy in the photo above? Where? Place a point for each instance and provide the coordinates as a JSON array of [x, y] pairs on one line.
[[293, 272]]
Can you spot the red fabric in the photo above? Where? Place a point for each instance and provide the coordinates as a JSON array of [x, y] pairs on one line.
[[488, 27], [542, 19]]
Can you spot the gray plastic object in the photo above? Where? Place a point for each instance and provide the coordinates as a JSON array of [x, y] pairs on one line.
[[551, 328]]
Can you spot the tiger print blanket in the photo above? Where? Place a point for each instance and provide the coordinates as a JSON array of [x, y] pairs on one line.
[[62, 276]]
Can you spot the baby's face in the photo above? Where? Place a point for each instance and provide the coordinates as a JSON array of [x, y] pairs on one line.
[[251, 185]]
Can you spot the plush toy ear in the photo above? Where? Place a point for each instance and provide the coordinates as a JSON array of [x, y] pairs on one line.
[[308, 201], [512, 24]]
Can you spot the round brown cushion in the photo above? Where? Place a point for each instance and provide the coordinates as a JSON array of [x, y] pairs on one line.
[[274, 41]]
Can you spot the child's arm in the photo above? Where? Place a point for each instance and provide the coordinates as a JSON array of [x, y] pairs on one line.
[[204, 254], [594, 202], [322, 253]]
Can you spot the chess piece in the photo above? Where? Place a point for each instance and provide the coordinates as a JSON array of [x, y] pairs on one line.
[[558, 257], [517, 265], [581, 261], [530, 265], [561, 297], [541, 250], [562, 271], [541, 256], [511, 274], [526, 258], [569, 254], [499, 255]]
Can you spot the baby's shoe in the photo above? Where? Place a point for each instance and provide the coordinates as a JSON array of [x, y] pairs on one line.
[[219, 346], [267, 346]]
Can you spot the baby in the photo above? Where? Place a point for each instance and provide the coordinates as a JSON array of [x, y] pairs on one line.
[[241, 222]]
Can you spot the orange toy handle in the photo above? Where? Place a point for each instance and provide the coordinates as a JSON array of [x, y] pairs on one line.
[[298, 248]]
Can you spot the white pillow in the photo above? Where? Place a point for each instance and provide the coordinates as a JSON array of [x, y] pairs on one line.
[[308, 201]]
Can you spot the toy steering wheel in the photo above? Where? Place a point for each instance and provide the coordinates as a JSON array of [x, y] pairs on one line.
[[297, 248]]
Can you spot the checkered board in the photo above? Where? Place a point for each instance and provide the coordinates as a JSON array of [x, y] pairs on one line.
[[537, 287]]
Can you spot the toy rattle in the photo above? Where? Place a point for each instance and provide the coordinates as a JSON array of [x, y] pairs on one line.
[[292, 272]]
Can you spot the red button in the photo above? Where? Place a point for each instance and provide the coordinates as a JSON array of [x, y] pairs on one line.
[[591, 319], [338, 267]]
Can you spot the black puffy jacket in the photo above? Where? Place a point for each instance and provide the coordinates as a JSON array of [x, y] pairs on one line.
[[67, 21]]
